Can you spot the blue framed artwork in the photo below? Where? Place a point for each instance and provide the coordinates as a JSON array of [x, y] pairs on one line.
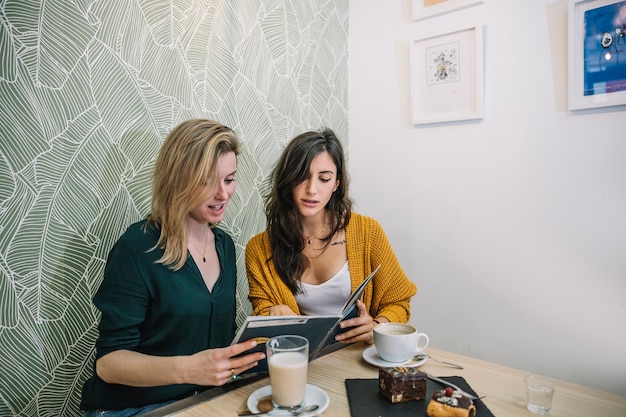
[[597, 53]]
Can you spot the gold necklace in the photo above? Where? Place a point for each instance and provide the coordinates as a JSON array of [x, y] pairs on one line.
[[309, 239], [206, 239]]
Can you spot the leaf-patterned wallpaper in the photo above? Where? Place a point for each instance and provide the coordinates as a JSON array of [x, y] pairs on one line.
[[88, 91]]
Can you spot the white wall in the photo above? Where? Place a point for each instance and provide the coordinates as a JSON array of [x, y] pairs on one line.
[[513, 227]]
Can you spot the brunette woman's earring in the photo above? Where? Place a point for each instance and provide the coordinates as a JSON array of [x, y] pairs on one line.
[[334, 190]]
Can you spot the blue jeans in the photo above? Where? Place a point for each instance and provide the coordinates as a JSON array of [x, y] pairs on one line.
[[127, 412]]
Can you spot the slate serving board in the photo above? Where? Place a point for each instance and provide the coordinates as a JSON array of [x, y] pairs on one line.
[[366, 400]]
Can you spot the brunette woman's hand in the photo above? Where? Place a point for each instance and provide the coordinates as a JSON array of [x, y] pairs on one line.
[[363, 330], [281, 310], [215, 367]]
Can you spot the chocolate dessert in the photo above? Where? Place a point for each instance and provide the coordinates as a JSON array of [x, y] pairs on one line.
[[402, 384]]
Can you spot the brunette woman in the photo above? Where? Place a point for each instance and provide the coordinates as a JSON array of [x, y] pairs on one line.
[[315, 250]]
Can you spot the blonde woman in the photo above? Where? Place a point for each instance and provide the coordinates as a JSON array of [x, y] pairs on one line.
[[168, 294]]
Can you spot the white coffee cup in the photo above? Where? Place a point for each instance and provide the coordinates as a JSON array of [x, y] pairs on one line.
[[287, 360], [397, 342]]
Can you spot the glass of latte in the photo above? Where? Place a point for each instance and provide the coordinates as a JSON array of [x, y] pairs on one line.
[[287, 360]]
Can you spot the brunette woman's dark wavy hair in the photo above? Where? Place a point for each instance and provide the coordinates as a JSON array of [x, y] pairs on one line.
[[283, 217]]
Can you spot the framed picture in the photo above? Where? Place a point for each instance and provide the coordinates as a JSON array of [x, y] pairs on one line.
[[597, 53], [423, 9], [447, 80]]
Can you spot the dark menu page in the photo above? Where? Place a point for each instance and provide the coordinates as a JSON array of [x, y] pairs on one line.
[[366, 400]]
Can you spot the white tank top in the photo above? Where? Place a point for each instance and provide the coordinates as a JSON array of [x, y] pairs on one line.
[[328, 297]]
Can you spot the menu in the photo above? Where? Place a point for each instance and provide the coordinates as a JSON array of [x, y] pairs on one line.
[[319, 330]]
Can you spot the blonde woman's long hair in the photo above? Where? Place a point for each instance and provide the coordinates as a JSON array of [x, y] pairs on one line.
[[187, 163]]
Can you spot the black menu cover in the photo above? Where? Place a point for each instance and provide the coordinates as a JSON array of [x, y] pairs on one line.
[[366, 400], [319, 330]]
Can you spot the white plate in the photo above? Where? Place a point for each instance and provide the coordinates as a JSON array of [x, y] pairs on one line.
[[314, 395], [371, 356]]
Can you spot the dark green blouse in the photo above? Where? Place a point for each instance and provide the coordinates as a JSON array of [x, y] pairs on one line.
[[148, 308]]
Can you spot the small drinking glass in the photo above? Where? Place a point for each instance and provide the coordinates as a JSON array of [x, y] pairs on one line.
[[539, 392]]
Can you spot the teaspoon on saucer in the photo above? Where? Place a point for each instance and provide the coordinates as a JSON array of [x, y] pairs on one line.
[[424, 355], [265, 406]]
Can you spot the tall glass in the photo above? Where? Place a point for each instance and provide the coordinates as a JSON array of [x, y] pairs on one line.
[[288, 360]]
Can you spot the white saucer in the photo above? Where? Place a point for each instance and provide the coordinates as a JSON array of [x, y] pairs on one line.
[[314, 395], [371, 356]]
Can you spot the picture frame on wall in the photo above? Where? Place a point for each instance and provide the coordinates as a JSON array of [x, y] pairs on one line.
[[424, 9], [447, 76], [596, 53]]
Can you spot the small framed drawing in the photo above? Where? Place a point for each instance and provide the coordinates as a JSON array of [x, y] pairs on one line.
[[424, 9], [597, 53], [447, 81]]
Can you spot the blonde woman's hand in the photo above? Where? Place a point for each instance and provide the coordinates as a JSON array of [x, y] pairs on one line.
[[215, 367]]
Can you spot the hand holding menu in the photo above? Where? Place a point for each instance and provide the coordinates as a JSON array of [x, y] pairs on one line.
[[319, 330]]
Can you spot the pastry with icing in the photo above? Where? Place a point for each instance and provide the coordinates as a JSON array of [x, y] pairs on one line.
[[450, 403]]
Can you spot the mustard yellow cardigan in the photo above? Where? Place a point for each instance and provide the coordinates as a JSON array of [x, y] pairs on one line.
[[388, 294]]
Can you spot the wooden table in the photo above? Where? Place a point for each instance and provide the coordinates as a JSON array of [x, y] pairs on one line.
[[502, 386]]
